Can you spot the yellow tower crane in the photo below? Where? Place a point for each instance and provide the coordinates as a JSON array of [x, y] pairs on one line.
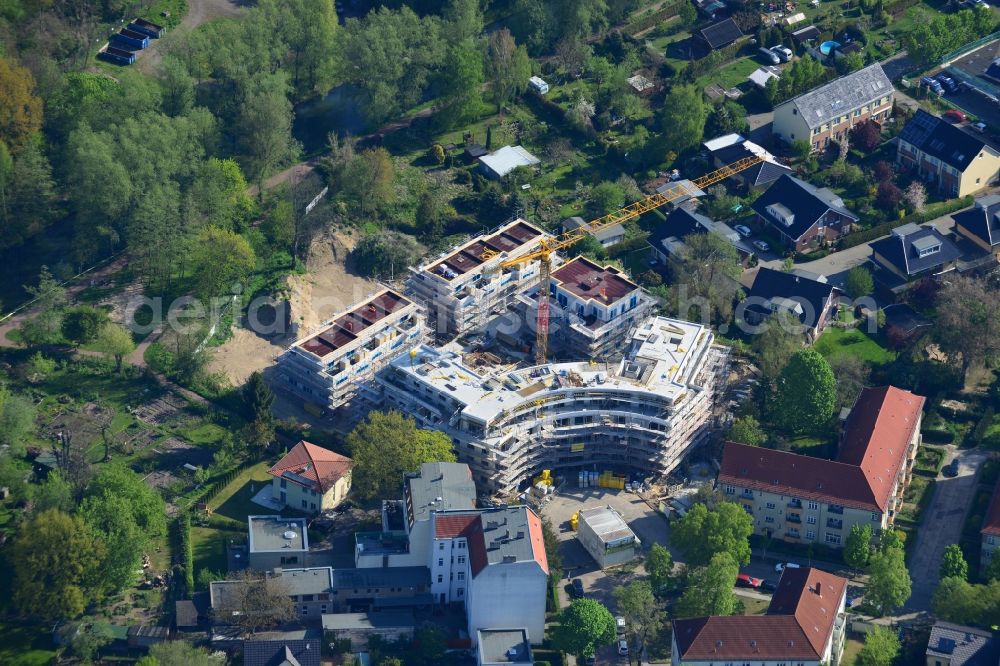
[[634, 210]]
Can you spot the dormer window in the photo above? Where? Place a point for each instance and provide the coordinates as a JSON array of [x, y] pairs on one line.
[[924, 247], [781, 213]]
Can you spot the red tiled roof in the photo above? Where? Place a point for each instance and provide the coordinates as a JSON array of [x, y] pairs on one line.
[[450, 525], [585, 279], [312, 466], [991, 524], [873, 449], [876, 434], [537, 540], [797, 625]]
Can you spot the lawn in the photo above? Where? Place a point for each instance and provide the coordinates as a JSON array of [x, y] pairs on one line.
[[857, 343], [814, 446], [929, 460], [203, 434], [731, 74], [234, 502], [752, 606], [209, 547], [851, 649], [26, 646]]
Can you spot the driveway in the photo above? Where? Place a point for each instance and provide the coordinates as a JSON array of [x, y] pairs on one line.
[[942, 525]]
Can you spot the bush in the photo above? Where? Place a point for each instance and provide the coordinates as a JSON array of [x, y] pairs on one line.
[[929, 213], [938, 436]]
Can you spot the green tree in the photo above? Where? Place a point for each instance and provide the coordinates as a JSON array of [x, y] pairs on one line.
[[747, 430], [264, 128], [993, 569], [20, 108], [82, 323], [807, 392], [50, 302], [430, 646], [387, 445], [258, 398], [859, 282], [508, 66], [956, 600], [27, 194], [386, 254], [607, 197], [368, 180], [177, 85], [463, 18], [953, 564], [688, 15], [889, 581], [636, 603], [881, 647], [728, 117], [462, 78], [54, 557], [851, 374], [706, 271], [704, 532], [968, 321], [116, 342], [85, 640], [775, 341], [709, 589], [659, 567], [857, 548], [17, 422], [110, 517], [683, 118], [583, 627], [54, 493], [220, 260]]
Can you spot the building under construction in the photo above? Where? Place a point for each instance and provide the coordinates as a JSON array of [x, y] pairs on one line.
[[643, 413], [462, 289]]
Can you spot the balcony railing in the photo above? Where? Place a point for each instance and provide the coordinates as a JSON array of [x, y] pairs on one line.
[[793, 518], [835, 524], [794, 504], [834, 508], [792, 535]]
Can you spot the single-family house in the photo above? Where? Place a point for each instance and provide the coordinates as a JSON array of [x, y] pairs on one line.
[[981, 224], [805, 499], [812, 301], [806, 34], [607, 236], [501, 162], [804, 625], [733, 148], [951, 160], [668, 238], [957, 645], [283, 649], [828, 112], [805, 216], [913, 251], [310, 478], [721, 34]]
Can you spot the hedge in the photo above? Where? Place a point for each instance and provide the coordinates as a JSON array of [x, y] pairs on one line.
[[187, 551], [938, 436], [929, 213]]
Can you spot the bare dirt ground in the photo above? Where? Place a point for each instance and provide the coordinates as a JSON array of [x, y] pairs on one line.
[[327, 287], [199, 11]]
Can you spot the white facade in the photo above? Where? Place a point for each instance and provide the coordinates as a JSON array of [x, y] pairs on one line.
[[645, 412], [509, 595]]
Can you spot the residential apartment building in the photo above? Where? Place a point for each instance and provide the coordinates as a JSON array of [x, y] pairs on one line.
[[310, 478], [803, 499], [462, 289], [325, 368], [645, 412], [990, 532], [804, 626], [828, 113], [804, 216], [949, 159], [592, 310], [491, 560], [981, 224]]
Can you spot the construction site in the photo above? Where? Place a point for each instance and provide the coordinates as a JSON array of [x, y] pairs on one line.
[[528, 360]]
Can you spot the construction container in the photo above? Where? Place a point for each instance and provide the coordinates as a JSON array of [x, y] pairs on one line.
[[609, 479], [146, 27], [116, 55], [130, 39]]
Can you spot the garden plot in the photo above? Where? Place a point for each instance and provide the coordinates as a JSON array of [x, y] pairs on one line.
[[159, 411]]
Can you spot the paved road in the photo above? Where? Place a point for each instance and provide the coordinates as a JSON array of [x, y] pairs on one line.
[[942, 525]]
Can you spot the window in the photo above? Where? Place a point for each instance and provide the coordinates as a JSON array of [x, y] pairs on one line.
[[833, 538], [460, 592], [748, 509], [991, 540], [441, 545], [284, 484], [811, 520], [440, 561], [307, 597], [813, 505], [322, 609], [440, 578], [461, 545], [461, 559], [770, 505], [748, 492], [768, 519], [875, 517], [461, 575], [730, 490], [305, 610], [305, 504], [810, 534]]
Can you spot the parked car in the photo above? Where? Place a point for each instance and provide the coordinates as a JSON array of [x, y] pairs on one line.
[[781, 566], [743, 230], [979, 127], [620, 625], [576, 589], [762, 245], [746, 580], [623, 647], [947, 82], [783, 52], [768, 56], [951, 469], [954, 115]]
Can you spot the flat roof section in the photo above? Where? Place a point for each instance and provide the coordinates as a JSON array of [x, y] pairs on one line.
[[607, 524], [585, 279], [271, 533], [348, 327], [478, 250], [504, 646]]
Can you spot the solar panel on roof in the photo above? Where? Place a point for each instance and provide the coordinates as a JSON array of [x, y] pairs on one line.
[[946, 645]]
